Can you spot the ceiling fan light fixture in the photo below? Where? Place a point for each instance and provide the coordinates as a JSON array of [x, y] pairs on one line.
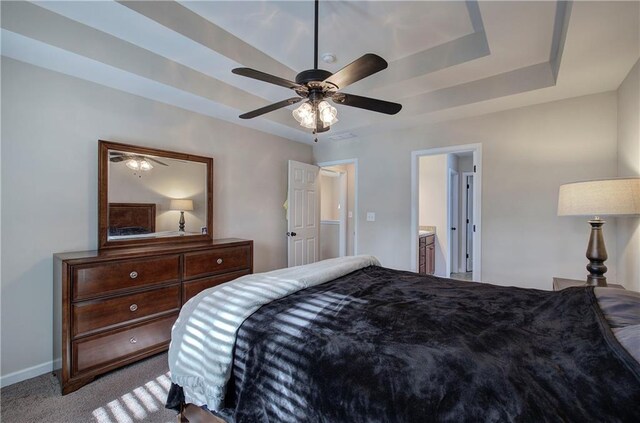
[[305, 115], [328, 113]]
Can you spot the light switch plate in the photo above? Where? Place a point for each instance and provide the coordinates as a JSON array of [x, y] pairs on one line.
[[371, 217], [350, 214]]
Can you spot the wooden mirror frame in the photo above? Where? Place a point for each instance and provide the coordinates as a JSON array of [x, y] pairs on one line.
[[103, 197]]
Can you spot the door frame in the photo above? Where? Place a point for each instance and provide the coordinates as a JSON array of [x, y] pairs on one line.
[[414, 226], [453, 220], [354, 162], [462, 264]]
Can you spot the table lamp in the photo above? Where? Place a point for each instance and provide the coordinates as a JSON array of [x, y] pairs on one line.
[[605, 197], [182, 206]]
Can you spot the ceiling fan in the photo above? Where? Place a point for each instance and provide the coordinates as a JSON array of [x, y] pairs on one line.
[[316, 85], [134, 161]]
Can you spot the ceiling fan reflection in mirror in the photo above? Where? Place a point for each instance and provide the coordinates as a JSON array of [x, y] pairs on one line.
[[317, 85], [134, 161]]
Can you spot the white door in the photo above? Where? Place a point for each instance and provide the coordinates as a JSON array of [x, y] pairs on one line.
[[304, 213], [452, 206]]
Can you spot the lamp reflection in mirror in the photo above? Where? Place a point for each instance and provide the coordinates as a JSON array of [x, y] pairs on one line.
[[181, 206], [606, 197], [306, 114]]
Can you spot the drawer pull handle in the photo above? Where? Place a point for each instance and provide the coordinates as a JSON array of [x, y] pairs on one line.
[[133, 274], [133, 307], [133, 340], [219, 261]]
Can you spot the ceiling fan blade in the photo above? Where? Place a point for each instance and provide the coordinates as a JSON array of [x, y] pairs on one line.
[[270, 108], [156, 161], [116, 159], [261, 76], [365, 66], [372, 104]]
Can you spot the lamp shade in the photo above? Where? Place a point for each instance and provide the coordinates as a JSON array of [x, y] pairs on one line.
[[606, 197], [182, 205]]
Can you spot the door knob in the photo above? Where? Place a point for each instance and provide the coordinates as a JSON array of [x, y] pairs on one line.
[[453, 229], [291, 234]]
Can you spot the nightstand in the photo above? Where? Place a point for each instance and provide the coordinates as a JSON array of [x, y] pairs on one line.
[[562, 283]]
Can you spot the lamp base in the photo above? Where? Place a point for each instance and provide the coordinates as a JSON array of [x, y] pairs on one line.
[[181, 222], [596, 281], [597, 254]]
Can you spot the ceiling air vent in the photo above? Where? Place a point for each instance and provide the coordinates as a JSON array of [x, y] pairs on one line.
[[342, 136]]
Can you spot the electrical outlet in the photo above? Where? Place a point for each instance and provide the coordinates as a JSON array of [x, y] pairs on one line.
[[371, 217]]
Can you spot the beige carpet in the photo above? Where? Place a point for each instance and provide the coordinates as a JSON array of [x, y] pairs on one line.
[[132, 394]]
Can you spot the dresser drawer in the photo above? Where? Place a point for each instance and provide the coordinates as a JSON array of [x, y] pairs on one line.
[[90, 316], [101, 279], [219, 260], [99, 351], [193, 288]]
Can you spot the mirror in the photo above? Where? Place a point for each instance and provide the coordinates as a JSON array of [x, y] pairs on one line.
[[149, 196]]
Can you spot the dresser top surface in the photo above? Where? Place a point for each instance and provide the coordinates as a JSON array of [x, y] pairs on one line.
[[133, 252]]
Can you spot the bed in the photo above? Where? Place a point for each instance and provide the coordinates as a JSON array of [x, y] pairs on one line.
[[346, 340]]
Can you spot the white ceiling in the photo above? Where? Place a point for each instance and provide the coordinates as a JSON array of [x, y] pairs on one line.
[[446, 59]]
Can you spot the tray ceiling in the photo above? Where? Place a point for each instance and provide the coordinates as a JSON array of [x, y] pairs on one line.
[[446, 59]]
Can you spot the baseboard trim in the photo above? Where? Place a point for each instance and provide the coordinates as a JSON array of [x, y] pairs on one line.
[[29, 372]]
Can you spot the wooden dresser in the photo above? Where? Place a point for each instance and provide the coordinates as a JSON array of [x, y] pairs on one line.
[[114, 307]]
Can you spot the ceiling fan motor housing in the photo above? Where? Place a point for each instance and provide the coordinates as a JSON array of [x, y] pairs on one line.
[[312, 75]]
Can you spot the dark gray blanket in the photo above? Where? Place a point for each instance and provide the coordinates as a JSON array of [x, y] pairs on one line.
[[380, 345]]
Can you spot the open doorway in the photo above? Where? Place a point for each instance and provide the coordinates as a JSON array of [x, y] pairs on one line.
[[446, 201], [338, 208]]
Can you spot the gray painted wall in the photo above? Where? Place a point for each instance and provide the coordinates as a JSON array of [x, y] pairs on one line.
[[527, 154], [628, 240], [51, 124]]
